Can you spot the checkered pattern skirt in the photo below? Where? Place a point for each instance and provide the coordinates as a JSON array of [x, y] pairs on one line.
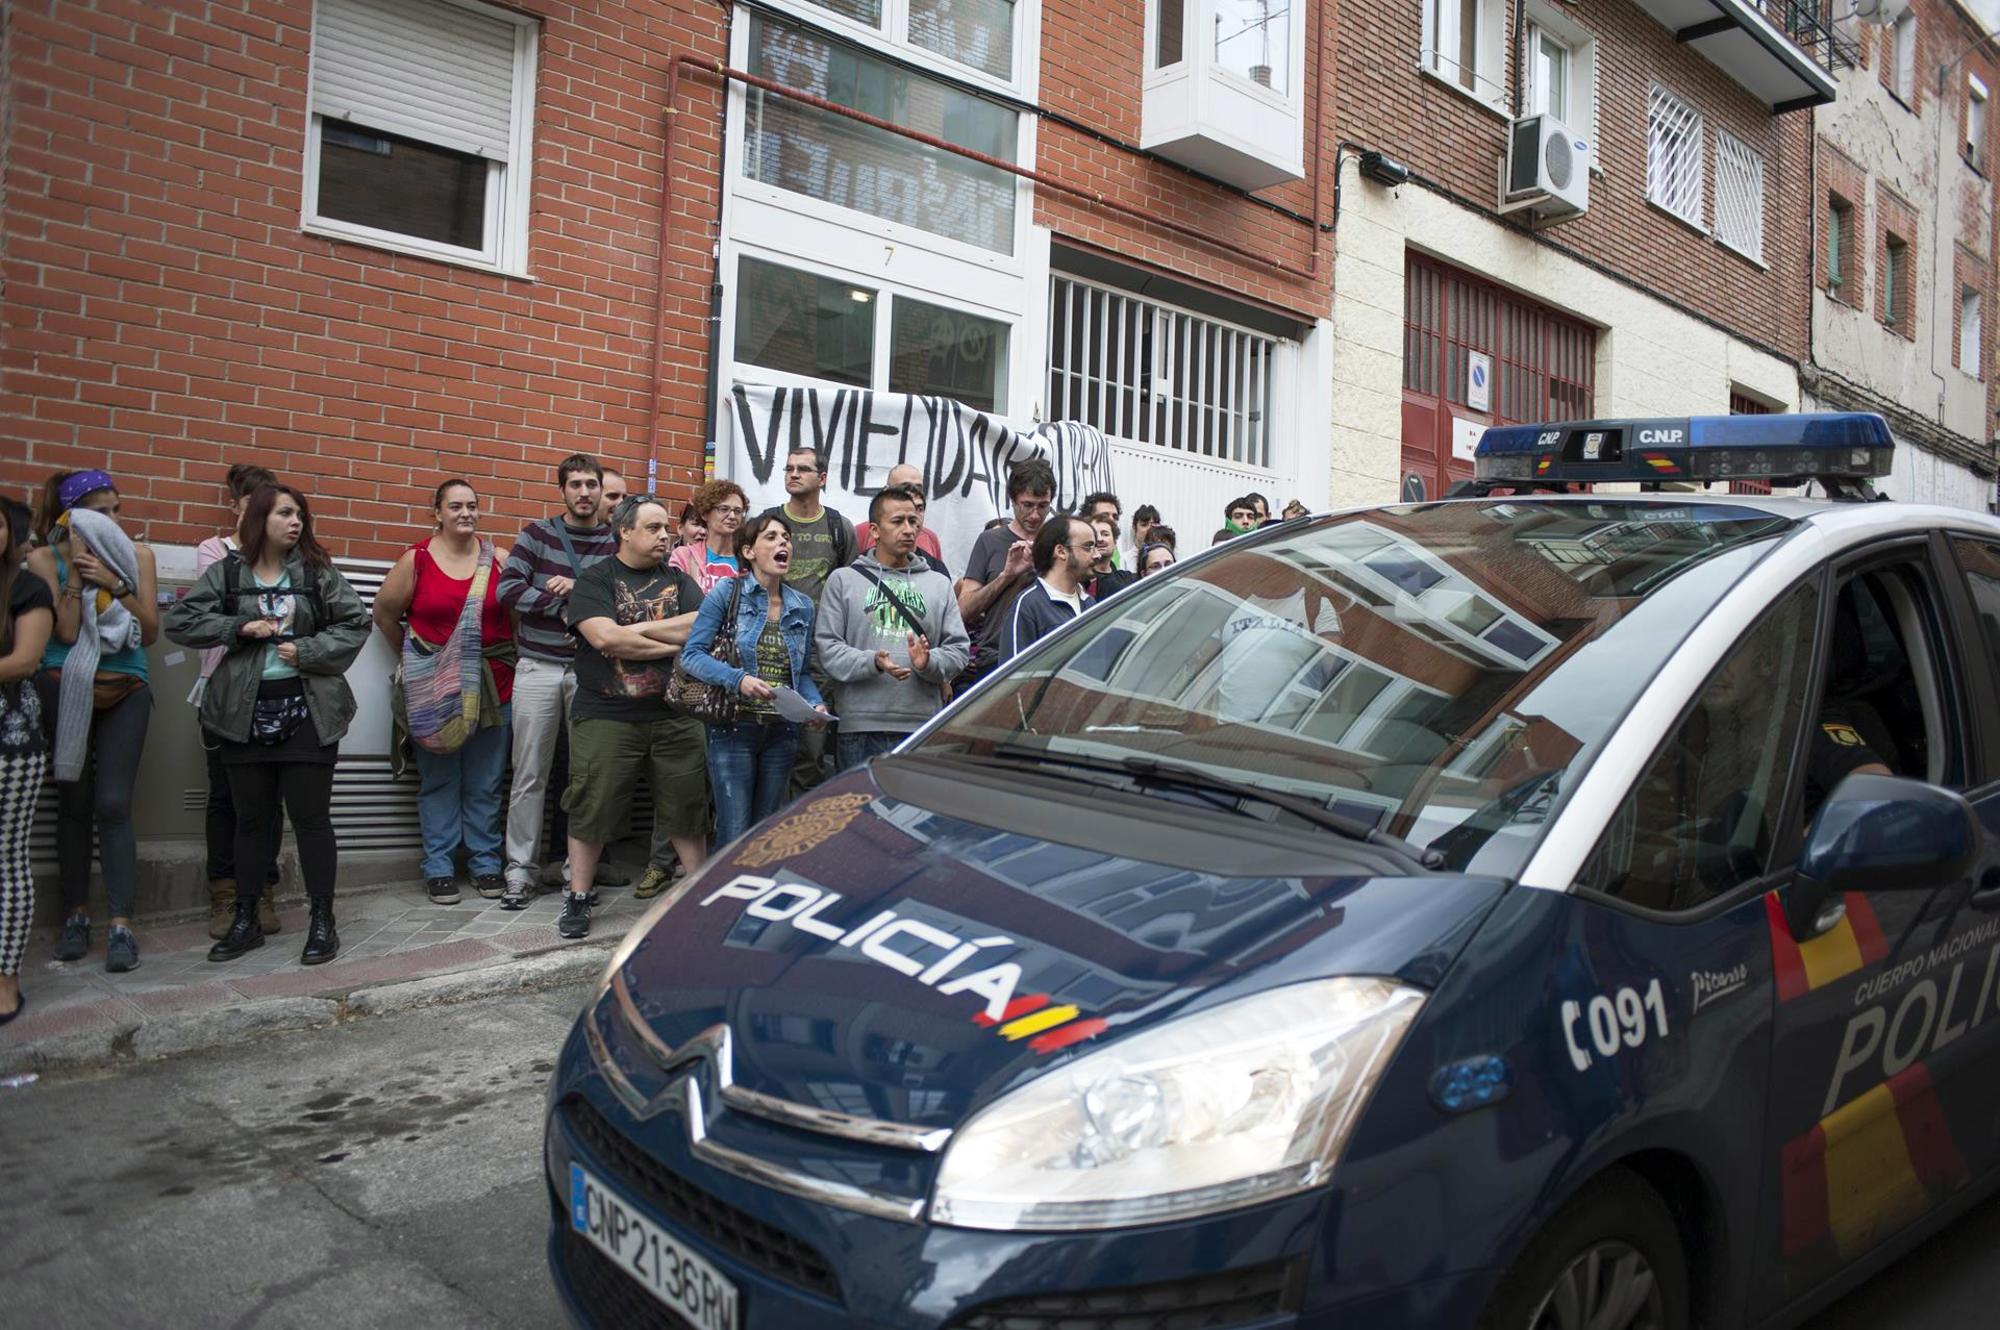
[[20, 783]]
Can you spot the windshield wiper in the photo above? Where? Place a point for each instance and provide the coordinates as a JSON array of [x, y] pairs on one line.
[[1154, 771]]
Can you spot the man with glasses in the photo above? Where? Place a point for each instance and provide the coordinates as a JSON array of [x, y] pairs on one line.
[[905, 475], [1002, 562], [1063, 552], [822, 540]]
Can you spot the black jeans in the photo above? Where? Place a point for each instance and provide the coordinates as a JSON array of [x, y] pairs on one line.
[[306, 791], [221, 822], [99, 801]]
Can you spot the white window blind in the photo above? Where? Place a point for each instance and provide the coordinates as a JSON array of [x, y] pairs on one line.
[[1739, 196], [422, 69], [1971, 332], [1673, 155]]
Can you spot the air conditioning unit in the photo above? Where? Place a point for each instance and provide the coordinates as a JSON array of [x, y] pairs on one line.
[[1547, 169]]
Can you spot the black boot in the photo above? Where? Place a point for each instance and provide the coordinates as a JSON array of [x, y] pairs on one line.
[[243, 935], [322, 943]]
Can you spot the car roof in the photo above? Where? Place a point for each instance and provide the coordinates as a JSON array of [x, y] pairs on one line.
[[1824, 513]]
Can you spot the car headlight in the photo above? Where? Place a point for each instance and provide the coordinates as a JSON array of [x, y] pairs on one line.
[[1244, 1102]]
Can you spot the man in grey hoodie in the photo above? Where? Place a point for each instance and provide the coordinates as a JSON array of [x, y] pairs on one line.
[[889, 635]]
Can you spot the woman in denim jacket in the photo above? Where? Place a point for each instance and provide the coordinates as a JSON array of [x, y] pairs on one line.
[[750, 761]]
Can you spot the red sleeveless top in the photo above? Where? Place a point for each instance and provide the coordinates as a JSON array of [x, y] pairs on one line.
[[440, 599]]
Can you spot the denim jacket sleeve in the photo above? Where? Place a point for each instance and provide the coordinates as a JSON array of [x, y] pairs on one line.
[[695, 657]]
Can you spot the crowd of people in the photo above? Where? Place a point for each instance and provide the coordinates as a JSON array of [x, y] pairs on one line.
[[704, 648]]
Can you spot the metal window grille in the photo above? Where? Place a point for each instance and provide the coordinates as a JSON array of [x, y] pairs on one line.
[[1674, 155], [1739, 196], [1544, 364], [1150, 373]]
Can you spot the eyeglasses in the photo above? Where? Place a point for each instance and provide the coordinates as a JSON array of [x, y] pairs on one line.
[[728, 510], [1033, 505]]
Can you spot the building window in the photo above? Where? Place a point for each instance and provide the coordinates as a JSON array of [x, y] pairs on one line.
[[1253, 41], [978, 34], [1168, 50], [1674, 175], [1464, 45], [1840, 250], [1739, 196], [1975, 123], [1970, 332], [1549, 62], [805, 324], [420, 128], [1559, 72], [1150, 373], [940, 352], [839, 161], [1903, 58], [1895, 280]]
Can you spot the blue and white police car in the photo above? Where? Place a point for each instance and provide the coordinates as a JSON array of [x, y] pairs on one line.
[[1526, 910]]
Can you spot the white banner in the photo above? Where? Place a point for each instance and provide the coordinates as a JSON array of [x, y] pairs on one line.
[[964, 454]]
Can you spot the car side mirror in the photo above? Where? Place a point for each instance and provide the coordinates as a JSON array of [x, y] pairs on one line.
[[1882, 833]]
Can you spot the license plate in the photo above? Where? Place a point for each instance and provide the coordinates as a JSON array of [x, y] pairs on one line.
[[650, 1254]]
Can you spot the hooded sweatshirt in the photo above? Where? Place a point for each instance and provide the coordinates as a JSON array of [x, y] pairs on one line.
[[858, 618]]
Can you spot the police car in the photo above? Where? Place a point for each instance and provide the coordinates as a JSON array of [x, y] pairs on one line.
[[1533, 909]]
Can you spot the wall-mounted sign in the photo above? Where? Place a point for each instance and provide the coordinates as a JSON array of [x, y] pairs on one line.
[[1479, 380], [1465, 437]]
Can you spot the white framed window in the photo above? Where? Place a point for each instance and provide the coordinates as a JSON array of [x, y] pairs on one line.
[[1675, 176], [1975, 122], [1167, 21], [1559, 73], [985, 41], [1739, 196], [1903, 58], [1465, 45], [1253, 42], [419, 134], [1970, 331]]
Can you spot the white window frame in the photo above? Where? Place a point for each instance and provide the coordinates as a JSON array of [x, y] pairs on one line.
[[1976, 128], [1441, 35], [509, 184], [1971, 331], [1737, 163], [1659, 192], [1581, 93], [1903, 58], [1154, 8], [892, 37]]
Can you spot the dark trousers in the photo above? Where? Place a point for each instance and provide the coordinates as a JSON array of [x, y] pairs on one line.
[[99, 801], [305, 790], [221, 823]]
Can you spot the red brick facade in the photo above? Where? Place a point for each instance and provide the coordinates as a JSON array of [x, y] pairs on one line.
[[1842, 183]]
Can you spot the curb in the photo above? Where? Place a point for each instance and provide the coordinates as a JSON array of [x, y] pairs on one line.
[[141, 1040]]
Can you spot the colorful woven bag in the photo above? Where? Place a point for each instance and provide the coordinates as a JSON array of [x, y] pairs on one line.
[[441, 683]]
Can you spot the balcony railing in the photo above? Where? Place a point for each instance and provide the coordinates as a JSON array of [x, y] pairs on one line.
[[1785, 52]]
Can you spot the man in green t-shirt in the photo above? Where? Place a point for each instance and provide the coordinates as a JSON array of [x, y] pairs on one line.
[[822, 540]]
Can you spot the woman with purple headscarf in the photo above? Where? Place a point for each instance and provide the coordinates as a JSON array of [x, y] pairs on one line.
[[94, 689]]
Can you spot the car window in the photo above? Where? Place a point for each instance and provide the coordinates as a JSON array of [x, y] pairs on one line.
[[1980, 562], [1886, 689], [1703, 817]]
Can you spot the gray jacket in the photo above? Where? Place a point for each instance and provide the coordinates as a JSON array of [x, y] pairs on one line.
[[330, 626], [857, 619]]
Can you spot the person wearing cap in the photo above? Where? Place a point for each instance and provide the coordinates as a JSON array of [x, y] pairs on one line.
[[94, 684]]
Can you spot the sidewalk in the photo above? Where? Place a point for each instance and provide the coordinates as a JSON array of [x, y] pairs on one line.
[[397, 951]]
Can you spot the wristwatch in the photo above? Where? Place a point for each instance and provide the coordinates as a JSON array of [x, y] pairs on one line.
[[122, 589]]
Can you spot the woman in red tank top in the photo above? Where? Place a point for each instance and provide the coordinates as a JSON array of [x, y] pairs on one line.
[[459, 803]]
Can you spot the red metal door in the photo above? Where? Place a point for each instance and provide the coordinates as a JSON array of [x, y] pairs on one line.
[[1542, 362]]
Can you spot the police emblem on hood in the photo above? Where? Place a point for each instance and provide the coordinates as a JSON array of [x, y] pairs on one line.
[[807, 829]]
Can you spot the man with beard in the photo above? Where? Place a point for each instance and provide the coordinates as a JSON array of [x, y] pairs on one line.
[[1064, 549]]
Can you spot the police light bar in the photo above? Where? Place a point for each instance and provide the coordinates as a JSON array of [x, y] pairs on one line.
[[1785, 449]]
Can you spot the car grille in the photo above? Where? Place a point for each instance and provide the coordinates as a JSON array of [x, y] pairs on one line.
[[749, 1239], [608, 1296], [1210, 1302]]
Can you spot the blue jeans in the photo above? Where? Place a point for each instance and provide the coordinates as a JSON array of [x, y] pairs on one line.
[[750, 772], [854, 750], [459, 801]]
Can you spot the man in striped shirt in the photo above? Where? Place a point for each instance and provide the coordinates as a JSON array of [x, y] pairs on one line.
[[546, 560]]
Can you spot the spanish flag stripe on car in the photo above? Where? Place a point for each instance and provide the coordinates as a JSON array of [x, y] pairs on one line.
[[1853, 943]]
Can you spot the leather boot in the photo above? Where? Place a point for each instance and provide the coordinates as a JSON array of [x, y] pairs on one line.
[[221, 906], [243, 935], [322, 943], [267, 911]]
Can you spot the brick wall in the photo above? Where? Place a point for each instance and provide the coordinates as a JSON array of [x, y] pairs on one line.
[[165, 315], [1896, 222], [1840, 178], [1384, 102]]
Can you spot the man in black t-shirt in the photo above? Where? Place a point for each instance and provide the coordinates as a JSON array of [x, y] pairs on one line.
[[631, 613]]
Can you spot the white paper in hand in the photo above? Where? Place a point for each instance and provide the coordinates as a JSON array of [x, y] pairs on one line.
[[794, 707]]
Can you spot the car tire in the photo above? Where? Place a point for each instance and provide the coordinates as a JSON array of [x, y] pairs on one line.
[[1615, 1243]]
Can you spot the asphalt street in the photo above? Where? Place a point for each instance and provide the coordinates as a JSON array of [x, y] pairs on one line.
[[385, 1173]]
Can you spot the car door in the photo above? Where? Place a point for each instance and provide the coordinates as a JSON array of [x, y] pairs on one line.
[[1878, 1009]]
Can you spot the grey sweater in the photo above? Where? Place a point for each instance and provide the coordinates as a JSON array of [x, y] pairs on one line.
[[857, 619]]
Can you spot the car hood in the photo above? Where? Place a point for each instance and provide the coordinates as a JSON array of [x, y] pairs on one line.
[[876, 956]]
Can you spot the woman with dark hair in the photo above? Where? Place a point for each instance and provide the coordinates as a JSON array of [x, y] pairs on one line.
[[721, 505], [219, 824], [750, 761], [94, 683], [48, 507], [278, 702], [458, 652], [1155, 558], [692, 530], [27, 618]]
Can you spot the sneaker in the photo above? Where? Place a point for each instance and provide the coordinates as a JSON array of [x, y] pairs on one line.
[[442, 890], [516, 896], [121, 950], [575, 920], [651, 883], [490, 886], [74, 943]]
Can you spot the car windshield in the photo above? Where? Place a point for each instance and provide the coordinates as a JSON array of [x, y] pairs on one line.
[[1438, 672]]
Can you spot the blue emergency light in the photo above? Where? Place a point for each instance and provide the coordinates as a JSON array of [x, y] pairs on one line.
[[1838, 448]]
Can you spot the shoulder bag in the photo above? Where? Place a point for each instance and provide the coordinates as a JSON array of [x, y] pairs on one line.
[[711, 703]]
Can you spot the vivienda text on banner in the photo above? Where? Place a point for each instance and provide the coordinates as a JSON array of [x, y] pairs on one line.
[[964, 454]]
